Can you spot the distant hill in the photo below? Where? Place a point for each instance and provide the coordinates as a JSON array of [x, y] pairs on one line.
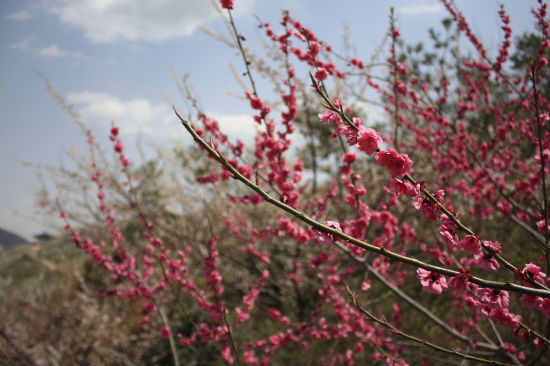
[[8, 240]]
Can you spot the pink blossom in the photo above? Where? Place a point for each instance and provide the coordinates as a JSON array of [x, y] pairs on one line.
[[274, 313], [314, 49], [470, 244], [486, 261], [404, 187], [165, 332], [447, 230], [428, 208], [255, 103], [365, 286], [494, 298], [369, 140], [431, 281], [324, 237], [350, 157], [227, 355], [124, 160], [249, 357], [533, 271], [397, 164], [184, 342], [529, 301], [275, 339], [460, 281], [119, 146], [329, 116], [503, 316], [227, 4], [493, 246], [321, 74]]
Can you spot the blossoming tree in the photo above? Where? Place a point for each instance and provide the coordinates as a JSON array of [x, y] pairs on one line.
[[336, 239]]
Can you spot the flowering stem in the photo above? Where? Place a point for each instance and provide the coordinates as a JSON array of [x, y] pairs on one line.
[[171, 335], [467, 230], [246, 62], [539, 132], [394, 60], [414, 303], [372, 248], [230, 336], [435, 347], [498, 257]]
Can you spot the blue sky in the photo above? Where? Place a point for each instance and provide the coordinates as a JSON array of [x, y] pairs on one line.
[[113, 59]]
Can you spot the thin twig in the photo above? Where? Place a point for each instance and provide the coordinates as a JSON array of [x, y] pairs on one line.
[[435, 347], [415, 304]]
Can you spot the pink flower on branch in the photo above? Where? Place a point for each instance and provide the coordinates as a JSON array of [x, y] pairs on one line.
[[460, 281], [397, 164], [227, 4], [470, 244], [321, 74], [494, 298], [404, 187], [119, 146], [533, 271], [431, 281], [330, 116], [369, 140], [486, 261], [324, 237]]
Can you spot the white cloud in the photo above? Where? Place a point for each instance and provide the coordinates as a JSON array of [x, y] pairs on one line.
[[27, 44], [133, 116], [420, 9], [113, 20], [24, 44], [53, 51], [20, 15], [141, 116]]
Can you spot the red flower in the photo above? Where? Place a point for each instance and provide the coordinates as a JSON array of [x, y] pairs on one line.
[[503, 316], [274, 313], [249, 357], [275, 339], [405, 188], [471, 244], [494, 298], [321, 74], [369, 140], [431, 281], [397, 164], [486, 261], [119, 146], [124, 160], [533, 271], [227, 4], [350, 157], [460, 281], [329, 116], [324, 237]]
